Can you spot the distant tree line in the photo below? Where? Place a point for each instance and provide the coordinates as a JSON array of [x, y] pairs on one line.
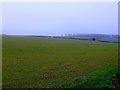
[[94, 37]]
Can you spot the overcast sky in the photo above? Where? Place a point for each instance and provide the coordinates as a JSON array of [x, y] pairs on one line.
[[59, 18]]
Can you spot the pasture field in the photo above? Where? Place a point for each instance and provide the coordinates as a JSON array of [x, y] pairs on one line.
[[36, 62], [0, 62]]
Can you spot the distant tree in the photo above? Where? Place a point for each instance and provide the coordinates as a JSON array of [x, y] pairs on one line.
[[93, 39], [4, 34]]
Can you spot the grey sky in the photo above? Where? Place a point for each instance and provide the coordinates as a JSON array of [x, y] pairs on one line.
[[59, 18], [0, 18]]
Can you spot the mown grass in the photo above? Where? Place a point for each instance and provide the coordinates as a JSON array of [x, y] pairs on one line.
[[34, 62]]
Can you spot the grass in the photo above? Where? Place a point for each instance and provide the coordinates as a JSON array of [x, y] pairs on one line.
[[101, 78], [0, 62], [34, 62]]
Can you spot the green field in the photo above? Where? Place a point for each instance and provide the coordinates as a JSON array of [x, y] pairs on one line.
[[0, 62], [35, 62]]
